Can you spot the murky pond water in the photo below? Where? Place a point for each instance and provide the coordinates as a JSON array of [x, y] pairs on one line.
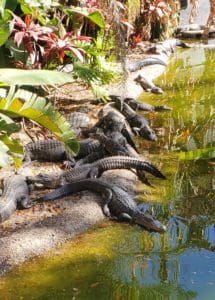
[[119, 261]]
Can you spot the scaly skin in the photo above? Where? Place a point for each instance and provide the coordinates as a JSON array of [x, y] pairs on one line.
[[48, 150], [138, 123], [118, 204], [16, 192], [88, 146], [95, 170], [137, 65], [136, 105], [112, 122]]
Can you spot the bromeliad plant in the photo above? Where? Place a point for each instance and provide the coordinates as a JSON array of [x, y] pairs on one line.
[[42, 44]]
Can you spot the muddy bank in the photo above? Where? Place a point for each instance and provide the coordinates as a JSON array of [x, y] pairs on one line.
[[34, 231]]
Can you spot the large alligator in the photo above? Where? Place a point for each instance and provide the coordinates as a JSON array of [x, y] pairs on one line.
[[15, 193], [137, 65], [117, 203], [48, 150], [94, 170], [138, 123]]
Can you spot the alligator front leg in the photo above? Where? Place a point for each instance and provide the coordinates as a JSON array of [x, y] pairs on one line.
[[25, 202], [93, 173], [124, 217], [107, 196]]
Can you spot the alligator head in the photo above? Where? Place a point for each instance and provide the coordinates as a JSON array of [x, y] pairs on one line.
[[148, 133], [147, 221]]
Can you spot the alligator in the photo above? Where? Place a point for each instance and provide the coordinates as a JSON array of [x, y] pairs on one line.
[[15, 193], [138, 123], [117, 205], [109, 122], [78, 121], [112, 121], [87, 146], [136, 105], [48, 150], [112, 144], [137, 65], [94, 170], [167, 46], [148, 85]]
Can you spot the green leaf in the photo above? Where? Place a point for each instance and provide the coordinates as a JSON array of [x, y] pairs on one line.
[[5, 158], [96, 17], [7, 124], [33, 77], [4, 32], [206, 153], [11, 4], [12, 144], [27, 104]]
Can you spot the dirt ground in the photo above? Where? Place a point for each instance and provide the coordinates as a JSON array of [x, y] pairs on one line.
[[34, 231]]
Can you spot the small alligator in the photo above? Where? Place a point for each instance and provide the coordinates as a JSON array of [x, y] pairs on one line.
[[94, 170], [136, 105], [148, 85], [117, 203], [138, 123], [15, 193], [48, 150], [137, 65]]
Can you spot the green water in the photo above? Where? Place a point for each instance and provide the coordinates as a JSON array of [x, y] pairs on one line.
[[119, 261]]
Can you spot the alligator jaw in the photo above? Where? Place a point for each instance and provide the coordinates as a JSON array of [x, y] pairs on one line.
[[148, 222]]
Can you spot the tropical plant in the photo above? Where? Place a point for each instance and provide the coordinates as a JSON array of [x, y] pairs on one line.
[[16, 102]]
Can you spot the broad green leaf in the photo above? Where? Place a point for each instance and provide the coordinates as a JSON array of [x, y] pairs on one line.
[[207, 153], [11, 4], [27, 104], [96, 17], [12, 144], [5, 158], [2, 7], [7, 124], [33, 77], [4, 32]]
